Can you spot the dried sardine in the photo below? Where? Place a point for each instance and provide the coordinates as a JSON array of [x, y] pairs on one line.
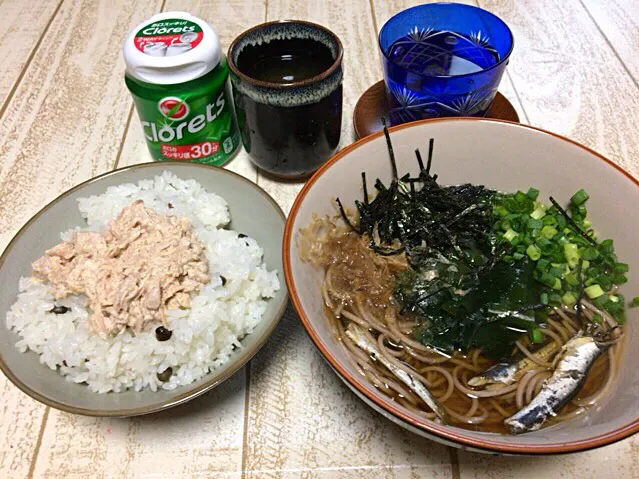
[[361, 339], [507, 373], [578, 355]]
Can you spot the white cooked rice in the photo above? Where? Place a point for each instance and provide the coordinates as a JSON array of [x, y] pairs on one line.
[[203, 337]]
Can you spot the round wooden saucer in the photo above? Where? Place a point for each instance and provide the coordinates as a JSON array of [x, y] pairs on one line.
[[372, 106]]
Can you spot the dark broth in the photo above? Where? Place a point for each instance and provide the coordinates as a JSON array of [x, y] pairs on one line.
[[495, 422], [359, 273]]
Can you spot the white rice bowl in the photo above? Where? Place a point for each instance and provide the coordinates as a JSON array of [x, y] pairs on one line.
[[203, 336]]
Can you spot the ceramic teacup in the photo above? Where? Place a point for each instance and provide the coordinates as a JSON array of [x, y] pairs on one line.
[[287, 89]]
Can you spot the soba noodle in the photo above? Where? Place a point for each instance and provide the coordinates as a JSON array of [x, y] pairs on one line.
[[358, 288]]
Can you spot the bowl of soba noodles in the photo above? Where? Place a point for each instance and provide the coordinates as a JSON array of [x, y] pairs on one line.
[[475, 281]]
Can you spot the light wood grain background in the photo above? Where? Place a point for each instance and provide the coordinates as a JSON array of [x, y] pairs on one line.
[[65, 115]]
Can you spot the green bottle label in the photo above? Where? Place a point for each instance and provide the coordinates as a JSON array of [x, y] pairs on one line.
[[169, 37], [192, 121]]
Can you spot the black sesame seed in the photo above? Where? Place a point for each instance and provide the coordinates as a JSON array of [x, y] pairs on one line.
[[223, 280], [242, 235], [165, 375], [64, 363], [170, 206], [60, 310], [163, 334]]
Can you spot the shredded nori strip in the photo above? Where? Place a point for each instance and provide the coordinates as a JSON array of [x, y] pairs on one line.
[[475, 298], [431, 146], [572, 223], [581, 289]]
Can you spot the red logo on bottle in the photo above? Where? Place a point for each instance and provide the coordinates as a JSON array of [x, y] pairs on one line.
[[173, 108]]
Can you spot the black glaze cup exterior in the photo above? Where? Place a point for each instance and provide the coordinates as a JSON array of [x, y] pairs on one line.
[[288, 130]]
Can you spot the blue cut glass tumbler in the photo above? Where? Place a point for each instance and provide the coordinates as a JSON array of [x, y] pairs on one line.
[[443, 59]]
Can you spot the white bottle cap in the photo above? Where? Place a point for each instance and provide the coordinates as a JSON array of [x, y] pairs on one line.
[[170, 48]]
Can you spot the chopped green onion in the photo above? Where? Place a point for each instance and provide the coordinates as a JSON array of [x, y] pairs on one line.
[[510, 235], [532, 193], [536, 336], [597, 318], [548, 232], [635, 302], [544, 242], [589, 253], [605, 282], [601, 301], [500, 211], [538, 213], [579, 198], [534, 224], [554, 298], [542, 264], [571, 252], [521, 197], [606, 246], [533, 252], [561, 221], [556, 271], [569, 299], [571, 279], [547, 279], [619, 279], [557, 241], [594, 291], [620, 268]]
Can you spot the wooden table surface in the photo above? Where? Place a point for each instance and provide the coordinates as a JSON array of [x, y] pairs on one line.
[[66, 116]]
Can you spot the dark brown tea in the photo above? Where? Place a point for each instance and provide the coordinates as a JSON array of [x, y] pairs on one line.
[[289, 125], [285, 61]]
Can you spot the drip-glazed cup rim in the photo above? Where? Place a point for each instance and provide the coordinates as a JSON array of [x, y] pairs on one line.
[[502, 61], [286, 86]]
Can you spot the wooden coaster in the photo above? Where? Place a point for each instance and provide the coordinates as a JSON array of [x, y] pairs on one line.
[[371, 106]]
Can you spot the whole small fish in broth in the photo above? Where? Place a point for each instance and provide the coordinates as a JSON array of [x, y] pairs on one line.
[[578, 355], [363, 341], [507, 373]]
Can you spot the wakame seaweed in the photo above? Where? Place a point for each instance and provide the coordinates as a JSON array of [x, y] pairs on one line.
[[447, 233], [497, 307], [485, 267]]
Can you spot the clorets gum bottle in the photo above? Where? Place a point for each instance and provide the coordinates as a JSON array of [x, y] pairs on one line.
[[178, 76]]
